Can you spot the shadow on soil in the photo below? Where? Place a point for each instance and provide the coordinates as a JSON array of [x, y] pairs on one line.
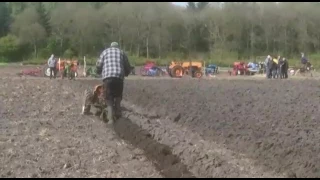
[[169, 165]]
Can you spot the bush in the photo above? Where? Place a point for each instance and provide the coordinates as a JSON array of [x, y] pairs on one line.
[[68, 54], [9, 48], [44, 53]]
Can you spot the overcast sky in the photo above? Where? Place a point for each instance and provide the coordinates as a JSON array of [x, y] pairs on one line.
[[180, 3]]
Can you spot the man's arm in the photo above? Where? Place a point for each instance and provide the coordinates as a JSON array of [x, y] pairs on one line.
[[126, 64], [99, 64]]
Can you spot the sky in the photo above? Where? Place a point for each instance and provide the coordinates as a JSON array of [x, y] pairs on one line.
[[180, 3]]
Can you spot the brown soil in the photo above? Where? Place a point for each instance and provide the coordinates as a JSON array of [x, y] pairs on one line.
[[274, 123], [171, 128]]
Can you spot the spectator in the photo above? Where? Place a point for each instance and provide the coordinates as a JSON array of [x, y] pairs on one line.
[[52, 66]]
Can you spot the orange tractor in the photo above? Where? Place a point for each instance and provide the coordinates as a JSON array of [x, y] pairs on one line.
[[178, 69], [67, 68]]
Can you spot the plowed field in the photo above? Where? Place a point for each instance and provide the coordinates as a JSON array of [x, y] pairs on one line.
[[171, 128]]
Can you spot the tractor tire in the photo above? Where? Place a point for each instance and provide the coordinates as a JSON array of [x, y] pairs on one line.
[[143, 72], [160, 72], [87, 102], [176, 71], [46, 71], [197, 74]]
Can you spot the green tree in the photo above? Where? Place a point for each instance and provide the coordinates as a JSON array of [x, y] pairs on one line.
[[27, 27], [9, 48], [43, 17], [4, 18]]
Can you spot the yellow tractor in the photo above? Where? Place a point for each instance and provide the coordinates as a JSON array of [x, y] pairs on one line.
[[178, 69]]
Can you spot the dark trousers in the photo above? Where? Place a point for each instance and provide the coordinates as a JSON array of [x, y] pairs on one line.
[[52, 72], [267, 72], [113, 88]]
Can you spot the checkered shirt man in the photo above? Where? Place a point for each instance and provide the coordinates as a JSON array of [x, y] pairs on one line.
[[113, 62]]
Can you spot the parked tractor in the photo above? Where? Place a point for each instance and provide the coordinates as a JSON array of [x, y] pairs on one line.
[[253, 68], [92, 72], [151, 69], [211, 69], [241, 68], [178, 69]]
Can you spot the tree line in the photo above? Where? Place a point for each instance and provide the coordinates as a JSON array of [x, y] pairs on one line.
[[158, 29]]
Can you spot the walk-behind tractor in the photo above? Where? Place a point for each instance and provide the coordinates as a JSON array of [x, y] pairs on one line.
[[303, 70], [64, 68], [95, 98], [151, 69], [211, 69], [178, 69]]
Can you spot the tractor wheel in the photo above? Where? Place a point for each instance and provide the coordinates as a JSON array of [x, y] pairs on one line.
[[160, 72], [46, 71], [87, 102], [169, 73], [177, 71], [143, 72], [198, 74]]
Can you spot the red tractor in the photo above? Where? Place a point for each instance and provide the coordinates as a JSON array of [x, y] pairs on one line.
[[150, 68], [239, 68]]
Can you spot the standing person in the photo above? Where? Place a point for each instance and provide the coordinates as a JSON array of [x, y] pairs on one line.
[[52, 66], [304, 61], [113, 65], [281, 68], [278, 66], [266, 62], [275, 68], [285, 67]]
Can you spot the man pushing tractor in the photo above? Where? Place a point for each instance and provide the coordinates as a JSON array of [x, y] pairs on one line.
[[113, 66]]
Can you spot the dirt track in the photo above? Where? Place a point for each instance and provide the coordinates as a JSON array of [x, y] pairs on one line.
[[171, 128]]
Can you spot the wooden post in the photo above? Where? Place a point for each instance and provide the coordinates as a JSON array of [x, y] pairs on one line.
[[84, 66]]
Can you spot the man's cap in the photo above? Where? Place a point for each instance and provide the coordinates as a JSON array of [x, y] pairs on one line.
[[114, 44]]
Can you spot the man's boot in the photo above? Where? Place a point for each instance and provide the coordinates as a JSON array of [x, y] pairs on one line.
[[110, 115], [118, 112]]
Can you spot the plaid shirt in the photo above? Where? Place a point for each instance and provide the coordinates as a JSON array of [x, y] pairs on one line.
[[113, 62]]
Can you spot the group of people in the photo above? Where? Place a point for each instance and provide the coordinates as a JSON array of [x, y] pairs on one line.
[[65, 68], [276, 67]]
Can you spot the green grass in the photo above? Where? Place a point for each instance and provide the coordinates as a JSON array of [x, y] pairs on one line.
[[3, 64]]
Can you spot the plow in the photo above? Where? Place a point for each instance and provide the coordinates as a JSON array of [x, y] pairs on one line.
[[31, 72], [64, 68]]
